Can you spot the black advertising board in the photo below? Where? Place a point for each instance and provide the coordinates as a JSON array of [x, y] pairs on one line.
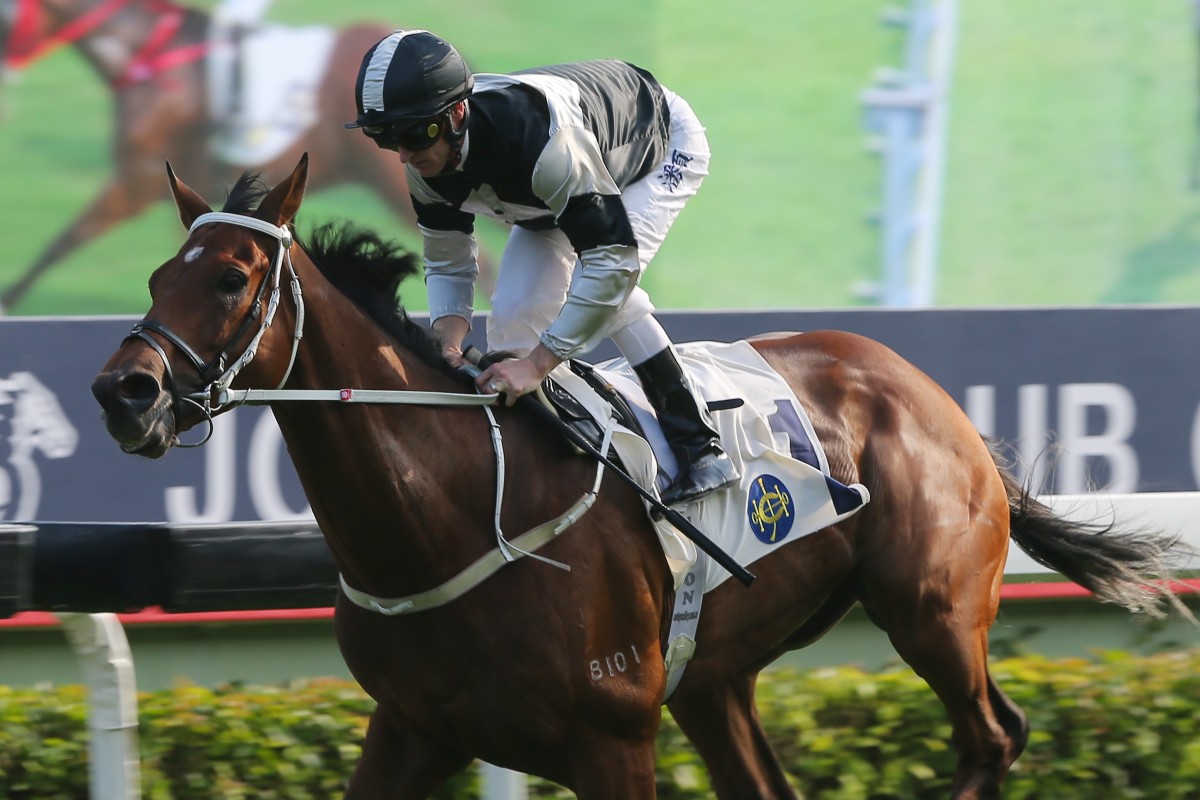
[[1109, 385]]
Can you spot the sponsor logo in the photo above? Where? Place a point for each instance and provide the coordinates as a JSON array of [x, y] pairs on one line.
[[31, 422], [769, 509]]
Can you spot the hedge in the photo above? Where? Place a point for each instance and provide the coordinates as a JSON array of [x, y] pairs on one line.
[[1117, 726]]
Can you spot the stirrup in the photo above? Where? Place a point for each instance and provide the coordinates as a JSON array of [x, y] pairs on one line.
[[709, 473]]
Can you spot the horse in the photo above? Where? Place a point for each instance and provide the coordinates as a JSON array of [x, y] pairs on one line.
[[152, 54], [506, 671]]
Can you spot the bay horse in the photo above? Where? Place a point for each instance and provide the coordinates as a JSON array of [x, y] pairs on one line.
[[505, 672], [152, 55]]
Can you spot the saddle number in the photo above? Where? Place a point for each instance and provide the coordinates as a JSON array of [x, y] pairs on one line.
[[786, 420]]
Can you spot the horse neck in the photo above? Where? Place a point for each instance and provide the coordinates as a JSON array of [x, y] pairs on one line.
[[373, 472], [342, 347]]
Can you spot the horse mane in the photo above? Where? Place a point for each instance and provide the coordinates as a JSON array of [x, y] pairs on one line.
[[364, 267]]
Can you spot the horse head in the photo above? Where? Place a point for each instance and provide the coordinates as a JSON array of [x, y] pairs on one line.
[[211, 314]]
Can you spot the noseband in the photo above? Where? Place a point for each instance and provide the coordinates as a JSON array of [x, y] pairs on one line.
[[215, 377]]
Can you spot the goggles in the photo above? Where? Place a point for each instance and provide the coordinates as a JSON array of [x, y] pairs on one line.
[[419, 135]]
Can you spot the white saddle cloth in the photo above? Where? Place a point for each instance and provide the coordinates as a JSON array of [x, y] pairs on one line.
[[786, 491]]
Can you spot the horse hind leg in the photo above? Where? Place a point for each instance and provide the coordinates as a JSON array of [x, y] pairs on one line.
[[723, 725], [949, 651]]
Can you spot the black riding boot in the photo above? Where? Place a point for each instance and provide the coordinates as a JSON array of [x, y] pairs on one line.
[[703, 466]]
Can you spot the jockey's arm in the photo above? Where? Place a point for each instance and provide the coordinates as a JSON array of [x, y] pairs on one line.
[[451, 267], [573, 181]]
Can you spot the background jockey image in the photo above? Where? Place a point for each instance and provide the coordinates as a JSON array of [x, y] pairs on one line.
[[232, 22], [590, 163], [222, 91]]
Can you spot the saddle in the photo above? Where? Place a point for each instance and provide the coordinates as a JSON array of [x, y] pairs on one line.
[[575, 414], [786, 491]]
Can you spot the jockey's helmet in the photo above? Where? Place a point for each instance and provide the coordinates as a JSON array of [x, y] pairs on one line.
[[409, 76]]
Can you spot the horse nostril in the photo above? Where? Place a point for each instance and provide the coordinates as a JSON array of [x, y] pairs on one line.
[[137, 391]]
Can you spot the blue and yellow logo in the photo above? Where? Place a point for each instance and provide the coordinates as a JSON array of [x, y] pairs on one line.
[[769, 509]]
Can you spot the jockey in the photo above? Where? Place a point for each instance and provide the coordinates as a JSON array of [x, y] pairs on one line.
[[232, 22], [590, 163]]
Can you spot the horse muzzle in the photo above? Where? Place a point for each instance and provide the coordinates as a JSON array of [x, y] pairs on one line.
[[137, 412]]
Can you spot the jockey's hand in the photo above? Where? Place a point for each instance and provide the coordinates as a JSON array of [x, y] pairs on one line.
[[518, 376], [451, 331], [454, 354]]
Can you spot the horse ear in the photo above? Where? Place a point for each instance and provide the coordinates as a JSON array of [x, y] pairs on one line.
[[281, 203], [189, 204]]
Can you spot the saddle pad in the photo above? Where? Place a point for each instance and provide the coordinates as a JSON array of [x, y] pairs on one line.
[[786, 491], [281, 73]]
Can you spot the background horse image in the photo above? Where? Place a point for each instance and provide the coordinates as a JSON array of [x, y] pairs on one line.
[[154, 55], [31, 422], [504, 672]]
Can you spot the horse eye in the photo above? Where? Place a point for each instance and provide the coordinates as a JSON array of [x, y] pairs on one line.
[[233, 280]]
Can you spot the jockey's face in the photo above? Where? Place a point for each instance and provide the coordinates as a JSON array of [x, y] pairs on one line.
[[434, 159], [430, 161]]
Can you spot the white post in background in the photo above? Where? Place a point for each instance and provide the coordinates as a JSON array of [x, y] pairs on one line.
[[906, 115], [103, 651]]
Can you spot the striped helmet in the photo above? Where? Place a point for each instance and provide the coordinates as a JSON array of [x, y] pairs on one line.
[[409, 75]]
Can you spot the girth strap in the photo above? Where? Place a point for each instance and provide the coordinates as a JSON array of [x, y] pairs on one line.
[[478, 572]]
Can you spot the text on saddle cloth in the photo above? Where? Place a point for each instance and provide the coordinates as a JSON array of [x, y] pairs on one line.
[[786, 491]]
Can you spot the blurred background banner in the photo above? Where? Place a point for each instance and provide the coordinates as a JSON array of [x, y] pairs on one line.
[[1061, 172], [1103, 385]]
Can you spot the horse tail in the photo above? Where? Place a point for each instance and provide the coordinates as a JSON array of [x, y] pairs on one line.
[[1131, 566]]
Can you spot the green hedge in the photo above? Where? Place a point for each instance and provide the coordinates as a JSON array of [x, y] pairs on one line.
[[1117, 727]]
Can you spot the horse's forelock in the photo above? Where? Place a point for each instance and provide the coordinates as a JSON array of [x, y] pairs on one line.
[[247, 192]]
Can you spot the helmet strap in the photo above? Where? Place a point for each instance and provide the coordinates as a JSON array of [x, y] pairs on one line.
[[457, 136]]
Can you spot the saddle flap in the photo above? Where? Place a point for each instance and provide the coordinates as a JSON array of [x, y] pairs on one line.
[[571, 411]]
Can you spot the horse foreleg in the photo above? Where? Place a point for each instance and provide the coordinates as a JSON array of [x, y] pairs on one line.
[[115, 203], [399, 763], [603, 768], [723, 725]]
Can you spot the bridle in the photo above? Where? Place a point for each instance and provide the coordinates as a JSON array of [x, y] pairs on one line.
[[213, 396]]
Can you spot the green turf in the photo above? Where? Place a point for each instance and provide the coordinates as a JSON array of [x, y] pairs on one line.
[[1071, 137]]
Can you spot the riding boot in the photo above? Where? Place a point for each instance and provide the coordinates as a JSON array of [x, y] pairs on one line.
[[704, 466]]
